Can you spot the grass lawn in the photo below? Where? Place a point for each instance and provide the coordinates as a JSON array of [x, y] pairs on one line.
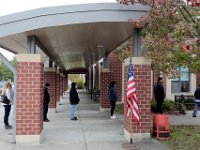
[[183, 138]]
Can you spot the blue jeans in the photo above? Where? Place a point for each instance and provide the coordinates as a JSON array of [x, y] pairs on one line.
[[72, 111], [196, 107]]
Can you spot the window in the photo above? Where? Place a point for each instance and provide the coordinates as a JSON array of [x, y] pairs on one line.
[[181, 83]]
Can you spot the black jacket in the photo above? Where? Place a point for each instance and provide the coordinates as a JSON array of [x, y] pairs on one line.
[[112, 95], [159, 92], [73, 96], [197, 93], [46, 97]]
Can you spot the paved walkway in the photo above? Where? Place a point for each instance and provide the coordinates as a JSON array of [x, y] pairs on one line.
[[93, 131]]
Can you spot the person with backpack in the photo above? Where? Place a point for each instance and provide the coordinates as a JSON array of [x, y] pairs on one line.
[[8, 92], [197, 101], [74, 100]]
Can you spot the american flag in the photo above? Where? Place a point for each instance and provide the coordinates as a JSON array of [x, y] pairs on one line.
[[131, 99]]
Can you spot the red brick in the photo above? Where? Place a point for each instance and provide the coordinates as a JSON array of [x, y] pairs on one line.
[[28, 98], [143, 83]]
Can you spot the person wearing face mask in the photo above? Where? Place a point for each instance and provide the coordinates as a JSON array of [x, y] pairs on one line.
[[46, 100], [112, 96], [8, 92], [74, 100]]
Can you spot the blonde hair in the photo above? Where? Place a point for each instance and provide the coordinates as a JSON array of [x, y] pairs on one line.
[[6, 85]]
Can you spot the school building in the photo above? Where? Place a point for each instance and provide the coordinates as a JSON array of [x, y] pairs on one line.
[[52, 42]]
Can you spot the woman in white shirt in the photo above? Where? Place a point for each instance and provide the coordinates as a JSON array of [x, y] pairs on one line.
[[7, 90]]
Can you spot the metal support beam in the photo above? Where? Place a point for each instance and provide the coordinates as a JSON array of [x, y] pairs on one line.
[[7, 63], [105, 61], [50, 63], [31, 44], [137, 42], [13, 70]]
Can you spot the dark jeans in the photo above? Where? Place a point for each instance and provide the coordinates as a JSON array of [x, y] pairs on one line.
[[112, 107], [159, 107], [45, 111], [7, 113]]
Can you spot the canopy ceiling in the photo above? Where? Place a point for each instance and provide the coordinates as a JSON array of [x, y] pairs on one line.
[[74, 36]]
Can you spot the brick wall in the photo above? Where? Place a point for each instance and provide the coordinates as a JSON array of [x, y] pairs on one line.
[[61, 84], [58, 86], [105, 81], [142, 75], [29, 96], [115, 67], [66, 82]]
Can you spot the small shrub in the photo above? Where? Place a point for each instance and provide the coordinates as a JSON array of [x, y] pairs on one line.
[[79, 83], [168, 105], [119, 108]]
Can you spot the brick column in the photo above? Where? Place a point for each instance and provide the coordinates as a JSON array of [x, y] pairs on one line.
[[63, 85], [66, 82], [58, 86], [116, 73], [104, 84], [60, 92], [29, 98], [66, 87], [50, 77], [142, 75]]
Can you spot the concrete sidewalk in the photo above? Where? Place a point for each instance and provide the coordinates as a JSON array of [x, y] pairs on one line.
[[93, 131]]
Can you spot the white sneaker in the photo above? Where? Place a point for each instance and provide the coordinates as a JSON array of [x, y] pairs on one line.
[[113, 117]]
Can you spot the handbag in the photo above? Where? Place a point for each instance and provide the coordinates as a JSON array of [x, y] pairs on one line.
[[4, 99]]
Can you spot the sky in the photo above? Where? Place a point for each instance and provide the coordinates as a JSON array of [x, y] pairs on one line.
[[14, 6]]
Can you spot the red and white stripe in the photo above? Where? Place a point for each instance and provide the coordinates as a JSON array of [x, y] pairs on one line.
[[132, 102]]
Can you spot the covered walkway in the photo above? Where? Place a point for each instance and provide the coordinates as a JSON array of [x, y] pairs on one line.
[[51, 43], [93, 131]]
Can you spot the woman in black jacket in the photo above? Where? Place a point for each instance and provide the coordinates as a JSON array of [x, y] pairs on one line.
[[112, 96], [74, 100]]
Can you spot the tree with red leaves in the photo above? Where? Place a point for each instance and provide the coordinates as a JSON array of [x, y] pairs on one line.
[[171, 34]]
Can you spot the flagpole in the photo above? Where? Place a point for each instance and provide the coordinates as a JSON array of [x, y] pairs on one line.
[[131, 140], [131, 107]]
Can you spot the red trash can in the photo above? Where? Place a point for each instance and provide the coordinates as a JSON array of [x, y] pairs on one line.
[[161, 126]]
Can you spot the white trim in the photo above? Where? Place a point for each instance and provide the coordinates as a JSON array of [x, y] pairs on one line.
[[29, 139], [170, 95], [29, 58], [67, 15], [104, 109], [137, 137]]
